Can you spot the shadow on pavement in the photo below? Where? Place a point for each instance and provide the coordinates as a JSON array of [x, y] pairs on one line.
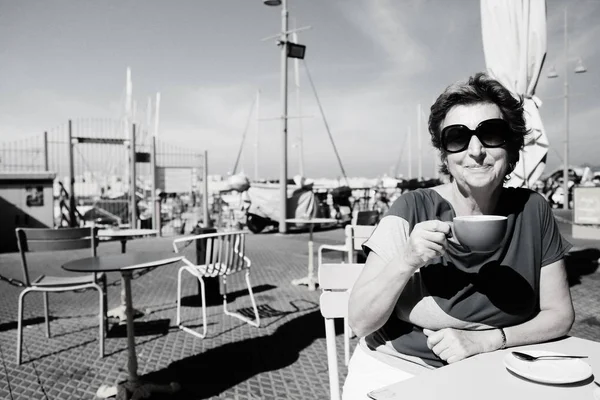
[[216, 370], [581, 262]]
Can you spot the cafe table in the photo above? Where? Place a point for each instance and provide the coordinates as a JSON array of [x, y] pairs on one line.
[[126, 264], [485, 376], [123, 235], [311, 279]]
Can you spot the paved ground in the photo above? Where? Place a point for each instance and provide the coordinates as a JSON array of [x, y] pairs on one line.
[[283, 359]]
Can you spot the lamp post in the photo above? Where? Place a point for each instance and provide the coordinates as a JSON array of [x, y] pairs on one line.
[[294, 51], [579, 69]]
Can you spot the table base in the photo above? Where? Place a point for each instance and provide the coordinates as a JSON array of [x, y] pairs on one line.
[[136, 390], [309, 281], [119, 313], [144, 390]]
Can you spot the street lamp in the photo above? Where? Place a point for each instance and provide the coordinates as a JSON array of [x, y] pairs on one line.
[[553, 74], [294, 51]]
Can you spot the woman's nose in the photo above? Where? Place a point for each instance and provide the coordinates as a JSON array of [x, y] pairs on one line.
[[476, 148]]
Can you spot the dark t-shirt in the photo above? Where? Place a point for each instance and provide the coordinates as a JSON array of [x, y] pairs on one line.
[[462, 289]]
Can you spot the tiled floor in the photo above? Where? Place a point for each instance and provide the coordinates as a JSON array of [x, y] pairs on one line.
[[283, 359]]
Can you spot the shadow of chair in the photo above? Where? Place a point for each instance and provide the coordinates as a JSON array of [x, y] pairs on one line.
[[34, 240], [336, 281], [224, 256]]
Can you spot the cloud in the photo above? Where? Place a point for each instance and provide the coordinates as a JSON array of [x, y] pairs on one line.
[[387, 26]]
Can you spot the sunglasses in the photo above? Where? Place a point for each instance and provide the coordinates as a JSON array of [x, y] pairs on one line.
[[491, 133]]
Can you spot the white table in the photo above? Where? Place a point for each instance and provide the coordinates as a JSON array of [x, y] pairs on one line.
[[123, 235], [134, 387], [484, 376], [310, 280]]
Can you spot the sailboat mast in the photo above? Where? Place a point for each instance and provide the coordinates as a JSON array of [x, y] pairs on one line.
[[257, 135], [419, 143], [409, 133]]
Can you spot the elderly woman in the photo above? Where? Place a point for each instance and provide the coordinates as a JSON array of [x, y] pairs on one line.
[[423, 300]]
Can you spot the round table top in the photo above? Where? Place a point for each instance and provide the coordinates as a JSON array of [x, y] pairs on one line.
[[311, 220], [126, 232], [122, 262]]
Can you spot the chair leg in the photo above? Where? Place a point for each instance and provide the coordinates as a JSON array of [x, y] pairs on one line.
[[347, 332], [334, 382], [203, 295], [47, 314], [102, 319], [20, 324], [256, 321]]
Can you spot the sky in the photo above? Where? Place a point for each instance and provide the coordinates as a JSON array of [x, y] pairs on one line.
[[372, 63]]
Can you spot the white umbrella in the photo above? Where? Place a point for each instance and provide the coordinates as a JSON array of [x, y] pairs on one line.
[[514, 44]]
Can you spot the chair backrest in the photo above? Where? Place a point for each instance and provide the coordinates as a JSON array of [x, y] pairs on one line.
[[225, 252], [356, 235], [370, 217], [336, 281], [46, 239]]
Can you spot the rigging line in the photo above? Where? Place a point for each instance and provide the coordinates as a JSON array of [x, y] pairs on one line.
[[312, 85], [237, 160]]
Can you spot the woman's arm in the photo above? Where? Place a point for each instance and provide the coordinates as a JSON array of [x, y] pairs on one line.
[[380, 284], [554, 320], [556, 314], [375, 293]]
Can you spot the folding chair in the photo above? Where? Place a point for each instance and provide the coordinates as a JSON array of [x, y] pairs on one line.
[[225, 256], [336, 281], [31, 240]]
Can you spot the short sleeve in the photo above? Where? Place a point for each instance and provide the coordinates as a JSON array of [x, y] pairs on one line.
[[392, 232], [389, 238], [554, 245]]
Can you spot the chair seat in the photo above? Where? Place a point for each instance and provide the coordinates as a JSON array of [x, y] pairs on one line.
[[49, 281], [336, 247]]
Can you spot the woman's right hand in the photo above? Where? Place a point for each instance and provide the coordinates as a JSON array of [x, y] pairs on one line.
[[427, 241]]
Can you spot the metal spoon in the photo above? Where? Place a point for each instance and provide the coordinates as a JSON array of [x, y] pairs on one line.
[[528, 357]]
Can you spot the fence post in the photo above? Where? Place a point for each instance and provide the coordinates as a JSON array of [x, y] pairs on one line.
[[154, 198], [46, 167], [132, 194], [207, 221], [71, 179]]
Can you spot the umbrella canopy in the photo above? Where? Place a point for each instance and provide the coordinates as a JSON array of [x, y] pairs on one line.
[[514, 44]]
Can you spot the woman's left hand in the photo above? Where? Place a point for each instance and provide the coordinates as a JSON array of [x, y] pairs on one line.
[[452, 345]]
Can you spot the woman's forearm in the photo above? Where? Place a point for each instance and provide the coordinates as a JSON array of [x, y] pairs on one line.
[[547, 325], [373, 300]]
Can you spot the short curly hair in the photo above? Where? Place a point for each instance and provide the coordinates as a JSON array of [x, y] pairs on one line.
[[480, 88]]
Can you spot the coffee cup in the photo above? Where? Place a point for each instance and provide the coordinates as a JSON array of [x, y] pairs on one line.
[[480, 233]]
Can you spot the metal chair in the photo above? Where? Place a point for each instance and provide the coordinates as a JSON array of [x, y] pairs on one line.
[[225, 256], [33, 240], [336, 281]]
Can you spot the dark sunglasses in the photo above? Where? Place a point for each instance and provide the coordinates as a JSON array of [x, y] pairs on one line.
[[491, 133]]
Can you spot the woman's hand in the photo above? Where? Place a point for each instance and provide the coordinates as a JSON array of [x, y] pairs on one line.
[[452, 345], [426, 242]]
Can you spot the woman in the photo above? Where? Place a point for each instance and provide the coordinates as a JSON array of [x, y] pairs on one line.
[[423, 300]]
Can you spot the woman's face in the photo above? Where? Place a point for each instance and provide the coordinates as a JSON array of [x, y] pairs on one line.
[[478, 166]]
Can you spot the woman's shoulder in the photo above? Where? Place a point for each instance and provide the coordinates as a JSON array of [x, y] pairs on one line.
[[419, 199]]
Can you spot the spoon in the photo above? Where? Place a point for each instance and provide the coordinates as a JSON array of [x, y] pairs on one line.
[[528, 357]]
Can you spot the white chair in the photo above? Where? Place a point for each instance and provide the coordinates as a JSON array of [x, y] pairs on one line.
[[44, 239], [225, 256], [336, 281], [356, 235]]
